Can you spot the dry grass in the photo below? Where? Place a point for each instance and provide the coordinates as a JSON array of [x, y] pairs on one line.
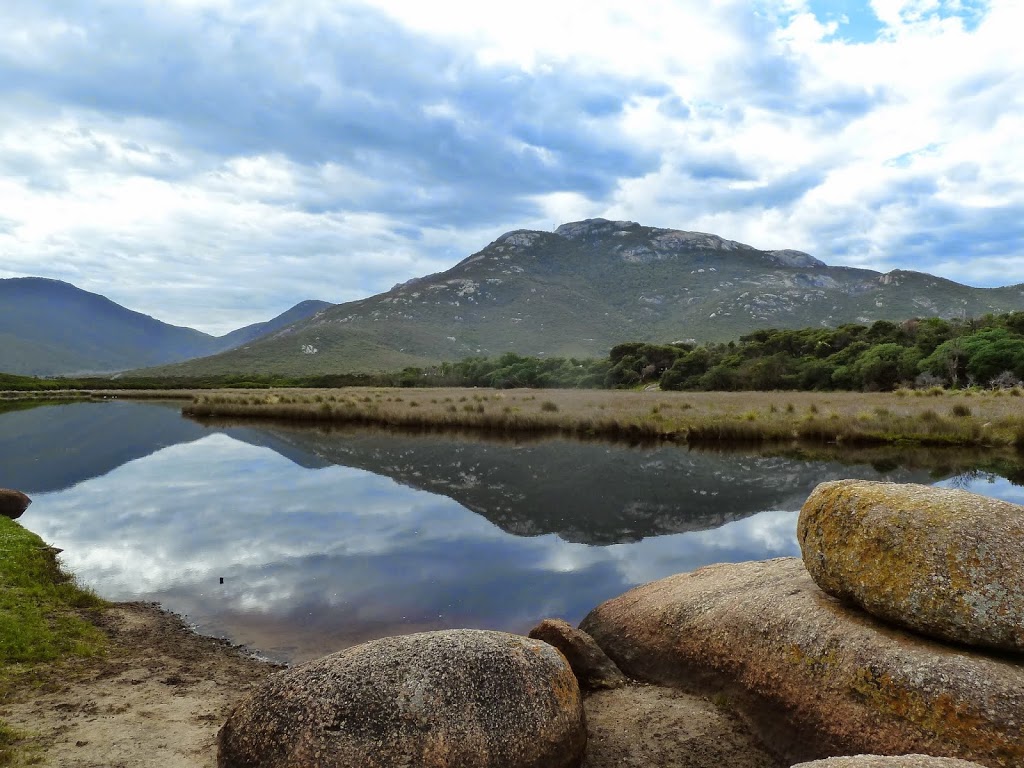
[[690, 417], [70, 395]]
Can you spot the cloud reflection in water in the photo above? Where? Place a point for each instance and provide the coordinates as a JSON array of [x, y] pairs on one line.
[[313, 560]]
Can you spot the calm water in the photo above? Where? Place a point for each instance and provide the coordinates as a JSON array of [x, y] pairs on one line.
[[327, 539]]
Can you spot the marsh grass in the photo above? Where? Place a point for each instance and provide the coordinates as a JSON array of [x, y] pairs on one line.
[[690, 417]]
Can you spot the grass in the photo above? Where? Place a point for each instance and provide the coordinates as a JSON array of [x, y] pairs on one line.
[[16, 749], [42, 621], [695, 418]]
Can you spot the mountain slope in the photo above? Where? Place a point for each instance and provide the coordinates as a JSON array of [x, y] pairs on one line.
[[589, 285], [49, 327], [301, 311]]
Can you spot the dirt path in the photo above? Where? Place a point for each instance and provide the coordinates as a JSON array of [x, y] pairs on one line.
[[157, 697]]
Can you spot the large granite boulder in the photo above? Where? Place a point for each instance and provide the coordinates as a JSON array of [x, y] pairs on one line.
[[945, 563], [465, 698], [826, 678], [13, 503], [592, 667], [898, 761]]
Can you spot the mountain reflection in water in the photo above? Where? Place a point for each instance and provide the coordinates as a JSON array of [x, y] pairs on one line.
[[327, 539]]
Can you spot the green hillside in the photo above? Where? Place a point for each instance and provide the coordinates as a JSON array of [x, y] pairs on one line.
[[588, 286]]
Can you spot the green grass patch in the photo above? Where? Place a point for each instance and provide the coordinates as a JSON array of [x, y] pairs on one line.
[[40, 604], [41, 622]]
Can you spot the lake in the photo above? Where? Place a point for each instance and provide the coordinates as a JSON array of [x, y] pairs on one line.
[[298, 541]]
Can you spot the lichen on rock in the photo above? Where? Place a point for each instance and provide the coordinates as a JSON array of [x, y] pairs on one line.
[[942, 562], [836, 679]]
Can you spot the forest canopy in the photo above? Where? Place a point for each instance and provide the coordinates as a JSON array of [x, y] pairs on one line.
[[883, 356]]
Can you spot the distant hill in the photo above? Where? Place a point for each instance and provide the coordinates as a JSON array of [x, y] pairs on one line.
[[49, 327], [300, 311], [589, 285]]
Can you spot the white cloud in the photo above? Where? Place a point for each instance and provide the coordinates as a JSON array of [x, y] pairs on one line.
[[213, 162]]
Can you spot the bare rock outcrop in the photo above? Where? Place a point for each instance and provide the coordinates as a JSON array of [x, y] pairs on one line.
[[13, 503], [945, 563], [649, 726], [897, 761], [592, 667], [466, 698], [845, 682]]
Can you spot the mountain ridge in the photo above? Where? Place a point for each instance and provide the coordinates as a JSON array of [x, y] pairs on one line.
[[50, 327], [588, 285]]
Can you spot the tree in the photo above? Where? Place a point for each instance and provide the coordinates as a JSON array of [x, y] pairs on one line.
[[884, 366]]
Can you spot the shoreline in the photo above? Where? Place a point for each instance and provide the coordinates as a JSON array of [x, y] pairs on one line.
[[924, 418], [160, 692], [156, 695]]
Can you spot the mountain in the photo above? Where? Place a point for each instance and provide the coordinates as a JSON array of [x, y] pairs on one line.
[[589, 285], [49, 327], [585, 492], [300, 311]]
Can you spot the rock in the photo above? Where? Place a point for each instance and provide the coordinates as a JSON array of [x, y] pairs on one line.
[[13, 503], [591, 665], [814, 676], [899, 761], [942, 562], [652, 726], [466, 698]]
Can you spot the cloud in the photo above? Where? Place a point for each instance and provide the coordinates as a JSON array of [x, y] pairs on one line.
[[316, 558], [244, 155]]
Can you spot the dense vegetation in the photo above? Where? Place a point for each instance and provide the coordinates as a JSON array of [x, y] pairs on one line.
[[878, 357], [883, 356]]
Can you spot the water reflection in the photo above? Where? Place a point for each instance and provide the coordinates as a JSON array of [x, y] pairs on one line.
[[324, 540]]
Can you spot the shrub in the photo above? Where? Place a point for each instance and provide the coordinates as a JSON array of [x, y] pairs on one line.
[[547, 405]]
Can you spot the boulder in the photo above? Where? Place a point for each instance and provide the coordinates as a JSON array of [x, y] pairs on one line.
[[13, 503], [591, 665], [941, 562], [814, 676], [898, 761], [466, 698]]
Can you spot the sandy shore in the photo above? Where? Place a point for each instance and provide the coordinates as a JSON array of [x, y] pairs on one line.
[[156, 697]]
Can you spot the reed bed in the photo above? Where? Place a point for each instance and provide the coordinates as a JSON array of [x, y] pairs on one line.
[[147, 394], [70, 395], [943, 418], [64, 395]]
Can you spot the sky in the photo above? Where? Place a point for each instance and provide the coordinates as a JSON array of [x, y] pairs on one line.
[[213, 162]]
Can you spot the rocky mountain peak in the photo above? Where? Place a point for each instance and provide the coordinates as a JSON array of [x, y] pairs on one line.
[[790, 258], [593, 227]]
